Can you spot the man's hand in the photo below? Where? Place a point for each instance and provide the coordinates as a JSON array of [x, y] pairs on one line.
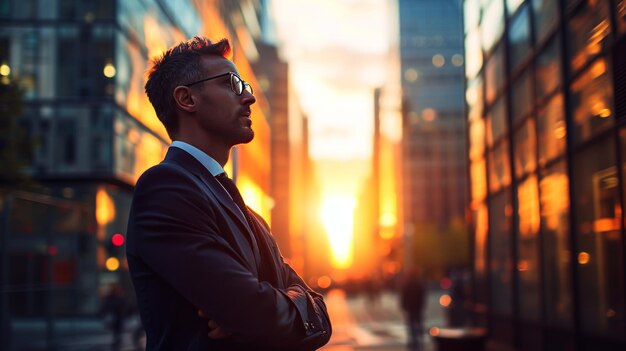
[[215, 331]]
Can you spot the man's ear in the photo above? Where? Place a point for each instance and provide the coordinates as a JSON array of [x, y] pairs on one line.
[[184, 98]]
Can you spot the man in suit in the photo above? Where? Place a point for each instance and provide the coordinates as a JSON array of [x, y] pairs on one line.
[[207, 272]]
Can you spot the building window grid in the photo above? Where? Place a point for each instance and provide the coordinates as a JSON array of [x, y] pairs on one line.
[[544, 101]]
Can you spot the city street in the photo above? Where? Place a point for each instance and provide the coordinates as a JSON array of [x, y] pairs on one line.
[[362, 323]]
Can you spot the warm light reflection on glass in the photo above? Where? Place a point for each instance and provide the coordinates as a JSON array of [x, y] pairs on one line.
[[337, 218], [112, 264], [583, 258], [457, 60], [522, 265], [411, 75], [105, 208], [559, 129], [434, 331], [429, 114], [5, 70], [438, 60], [109, 70], [528, 207]]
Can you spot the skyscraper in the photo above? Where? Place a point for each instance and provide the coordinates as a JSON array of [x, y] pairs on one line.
[[431, 52], [545, 96]]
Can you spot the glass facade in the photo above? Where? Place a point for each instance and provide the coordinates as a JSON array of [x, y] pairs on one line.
[[81, 67], [549, 158]]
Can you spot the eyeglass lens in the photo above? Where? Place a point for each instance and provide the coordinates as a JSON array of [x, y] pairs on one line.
[[238, 85]]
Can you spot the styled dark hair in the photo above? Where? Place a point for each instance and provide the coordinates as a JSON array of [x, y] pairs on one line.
[[177, 66]]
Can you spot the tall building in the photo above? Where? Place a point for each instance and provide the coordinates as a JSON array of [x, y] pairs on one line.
[[431, 54], [546, 117], [91, 131]]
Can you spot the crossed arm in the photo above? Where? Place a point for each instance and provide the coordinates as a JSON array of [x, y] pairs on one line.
[[181, 241]]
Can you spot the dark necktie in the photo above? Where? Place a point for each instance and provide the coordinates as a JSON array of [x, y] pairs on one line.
[[267, 270], [232, 190]]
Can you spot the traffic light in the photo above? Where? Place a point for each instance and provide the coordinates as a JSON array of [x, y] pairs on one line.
[[114, 252]]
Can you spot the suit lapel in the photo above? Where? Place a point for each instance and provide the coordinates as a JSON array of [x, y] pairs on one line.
[[217, 191]]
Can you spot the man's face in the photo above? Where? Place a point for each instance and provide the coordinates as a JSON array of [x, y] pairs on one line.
[[222, 114]]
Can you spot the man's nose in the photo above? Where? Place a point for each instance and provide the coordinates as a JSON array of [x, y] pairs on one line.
[[248, 98]]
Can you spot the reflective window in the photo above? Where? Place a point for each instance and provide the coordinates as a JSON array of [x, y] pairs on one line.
[[471, 14], [545, 14], [478, 174], [496, 122], [528, 248], [500, 212], [548, 70], [519, 38], [592, 101], [473, 54], [499, 168], [621, 15], [481, 226], [494, 73], [525, 149], [588, 28], [521, 96], [86, 10], [492, 24], [476, 139], [551, 130], [554, 197], [600, 259], [474, 98]]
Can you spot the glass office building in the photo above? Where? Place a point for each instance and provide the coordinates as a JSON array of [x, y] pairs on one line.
[[546, 99], [80, 65], [434, 162]]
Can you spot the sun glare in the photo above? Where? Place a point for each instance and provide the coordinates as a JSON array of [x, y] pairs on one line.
[[337, 217]]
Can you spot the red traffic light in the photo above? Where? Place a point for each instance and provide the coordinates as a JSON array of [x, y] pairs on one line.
[[117, 239]]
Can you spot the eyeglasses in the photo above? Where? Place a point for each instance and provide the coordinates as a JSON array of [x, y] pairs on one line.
[[237, 84]]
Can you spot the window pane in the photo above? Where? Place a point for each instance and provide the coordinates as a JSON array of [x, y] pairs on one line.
[[525, 149], [588, 29], [521, 97], [499, 168], [473, 54], [545, 13], [474, 98], [592, 101], [500, 253], [496, 122], [492, 24], [551, 129], [494, 73], [477, 139], [528, 248], [478, 174], [548, 70], [519, 38], [471, 13], [481, 224], [598, 218], [621, 15], [554, 195]]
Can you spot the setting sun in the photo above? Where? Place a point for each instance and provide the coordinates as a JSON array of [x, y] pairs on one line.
[[338, 217]]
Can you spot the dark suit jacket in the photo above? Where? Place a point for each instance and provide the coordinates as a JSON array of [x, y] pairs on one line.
[[189, 248]]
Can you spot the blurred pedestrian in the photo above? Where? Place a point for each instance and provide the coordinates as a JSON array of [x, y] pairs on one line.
[[413, 296], [114, 311], [207, 272]]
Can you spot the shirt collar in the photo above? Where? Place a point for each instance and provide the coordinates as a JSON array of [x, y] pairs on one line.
[[207, 161]]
